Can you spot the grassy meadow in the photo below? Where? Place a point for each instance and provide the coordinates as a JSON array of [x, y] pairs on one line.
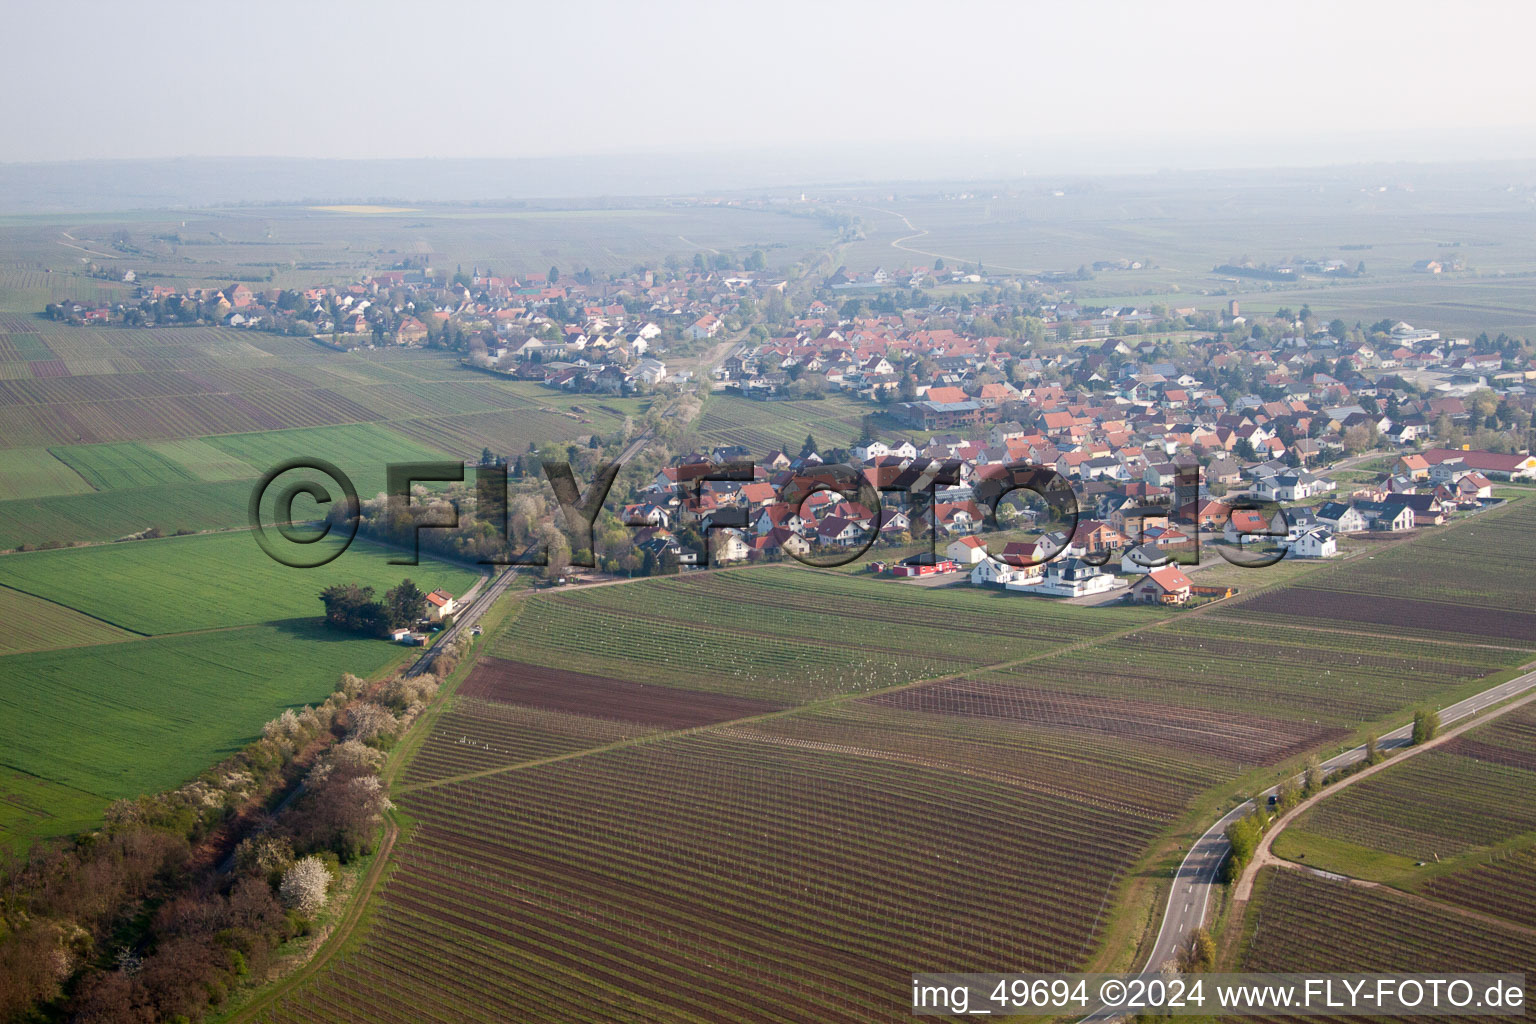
[[127, 668], [180, 584], [95, 724]]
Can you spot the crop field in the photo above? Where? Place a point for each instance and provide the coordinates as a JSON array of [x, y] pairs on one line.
[[784, 881], [766, 426], [109, 515], [136, 385], [788, 634], [362, 450], [32, 624], [88, 410], [1465, 582], [1503, 886], [30, 807], [1211, 734], [1323, 680], [505, 433], [1147, 782], [190, 483], [36, 473], [186, 583], [126, 465], [1440, 804], [1308, 924], [474, 735], [160, 710], [1479, 790], [1412, 617], [560, 690]]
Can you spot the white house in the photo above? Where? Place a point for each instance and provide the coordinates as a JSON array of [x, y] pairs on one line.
[[652, 371], [991, 572], [1141, 559], [440, 605], [872, 450], [1073, 577], [1295, 485], [730, 546], [1341, 518], [1317, 542], [967, 550]]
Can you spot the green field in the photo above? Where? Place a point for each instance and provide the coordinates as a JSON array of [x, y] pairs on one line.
[[90, 713], [108, 515], [33, 624], [186, 583], [129, 464], [362, 450], [117, 720], [789, 633], [762, 427], [1429, 820], [36, 473]]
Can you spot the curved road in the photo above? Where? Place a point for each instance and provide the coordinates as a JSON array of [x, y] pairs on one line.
[[1199, 872]]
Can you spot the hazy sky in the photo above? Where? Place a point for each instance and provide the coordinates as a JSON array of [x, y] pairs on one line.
[[391, 79]]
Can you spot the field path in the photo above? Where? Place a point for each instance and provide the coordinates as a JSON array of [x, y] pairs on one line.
[[334, 942], [72, 244], [900, 243], [1199, 872], [1264, 855]]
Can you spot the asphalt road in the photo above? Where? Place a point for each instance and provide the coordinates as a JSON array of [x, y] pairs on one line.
[[1199, 872]]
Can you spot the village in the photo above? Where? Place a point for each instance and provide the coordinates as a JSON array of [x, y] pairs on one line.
[[1354, 430]]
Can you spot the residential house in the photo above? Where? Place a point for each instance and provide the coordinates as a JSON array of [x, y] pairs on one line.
[[967, 550], [1317, 542], [1167, 585], [1391, 516], [1073, 577], [1142, 559], [1341, 517], [440, 605]]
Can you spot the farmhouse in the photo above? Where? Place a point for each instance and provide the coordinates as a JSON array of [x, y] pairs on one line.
[[440, 605]]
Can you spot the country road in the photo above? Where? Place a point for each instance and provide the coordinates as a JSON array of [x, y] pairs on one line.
[[1199, 872]]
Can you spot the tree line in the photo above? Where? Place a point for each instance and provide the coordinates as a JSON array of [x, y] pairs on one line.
[[183, 896], [351, 607]]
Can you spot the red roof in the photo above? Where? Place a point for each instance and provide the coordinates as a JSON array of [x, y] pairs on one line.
[[1170, 578]]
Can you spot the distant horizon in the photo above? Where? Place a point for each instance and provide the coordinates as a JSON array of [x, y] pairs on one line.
[[102, 185]]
